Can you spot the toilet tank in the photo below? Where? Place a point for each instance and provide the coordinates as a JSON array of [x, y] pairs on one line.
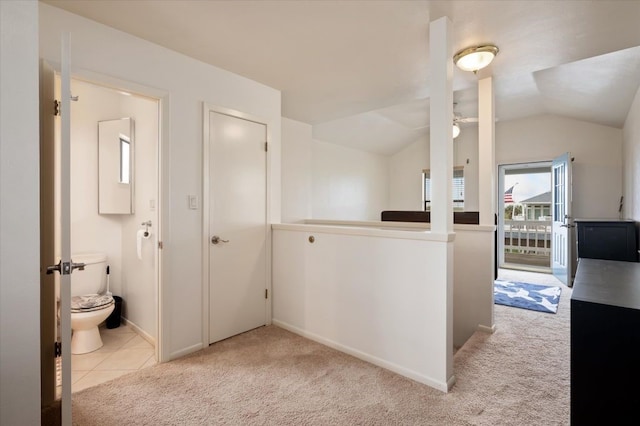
[[94, 277]]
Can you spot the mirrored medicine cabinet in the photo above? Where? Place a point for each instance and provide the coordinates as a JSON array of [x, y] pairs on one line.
[[115, 166]]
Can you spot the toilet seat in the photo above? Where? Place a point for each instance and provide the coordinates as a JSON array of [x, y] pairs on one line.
[[91, 302]]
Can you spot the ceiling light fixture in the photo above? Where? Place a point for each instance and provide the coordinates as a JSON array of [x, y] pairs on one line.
[[456, 130], [475, 58]]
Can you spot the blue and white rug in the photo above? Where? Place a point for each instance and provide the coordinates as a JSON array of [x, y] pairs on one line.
[[527, 296]]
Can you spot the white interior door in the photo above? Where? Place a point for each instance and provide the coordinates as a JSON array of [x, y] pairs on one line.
[[237, 225], [48, 305], [55, 243], [561, 220]]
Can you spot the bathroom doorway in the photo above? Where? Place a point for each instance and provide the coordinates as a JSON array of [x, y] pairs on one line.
[[134, 264], [110, 223]]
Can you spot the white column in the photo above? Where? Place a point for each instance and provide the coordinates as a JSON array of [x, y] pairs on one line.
[[486, 152], [441, 121], [487, 185], [441, 166]]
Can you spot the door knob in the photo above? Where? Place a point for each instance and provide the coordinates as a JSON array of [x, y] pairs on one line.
[[215, 240]]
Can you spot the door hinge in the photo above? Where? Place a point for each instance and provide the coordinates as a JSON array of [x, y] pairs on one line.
[[160, 245], [266, 293], [266, 146], [56, 107], [57, 349]]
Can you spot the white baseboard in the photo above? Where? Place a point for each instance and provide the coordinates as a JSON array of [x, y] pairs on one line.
[[146, 336], [487, 329], [185, 351], [441, 386]]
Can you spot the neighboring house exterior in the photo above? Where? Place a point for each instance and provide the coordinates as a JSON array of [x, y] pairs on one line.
[[607, 164], [537, 207]]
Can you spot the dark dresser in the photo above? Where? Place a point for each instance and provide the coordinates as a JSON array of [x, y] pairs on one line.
[[607, 239], [605, 330]]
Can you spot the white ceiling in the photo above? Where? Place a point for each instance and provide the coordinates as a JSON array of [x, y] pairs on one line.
[[359, 70]]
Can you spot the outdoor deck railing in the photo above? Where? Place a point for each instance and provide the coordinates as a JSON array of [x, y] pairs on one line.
[[527, 237]]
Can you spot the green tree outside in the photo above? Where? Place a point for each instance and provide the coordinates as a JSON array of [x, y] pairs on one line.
[[509, 211]]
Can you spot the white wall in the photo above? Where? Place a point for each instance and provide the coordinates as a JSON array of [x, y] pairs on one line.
[[185, 83], [597, 178], [296, 171], [379, 295], [322, 180], [138, 286], [405, 176], [597, 169], [348, 184], [473, 277], [19, 215], [405, 180], [631, 159]]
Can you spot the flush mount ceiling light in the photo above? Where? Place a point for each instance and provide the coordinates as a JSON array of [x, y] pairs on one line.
[[475, 58]]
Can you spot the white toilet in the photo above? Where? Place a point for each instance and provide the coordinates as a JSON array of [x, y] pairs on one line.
[[90, 306]]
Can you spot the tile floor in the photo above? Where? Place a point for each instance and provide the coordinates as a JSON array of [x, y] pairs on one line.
[[124, 351]]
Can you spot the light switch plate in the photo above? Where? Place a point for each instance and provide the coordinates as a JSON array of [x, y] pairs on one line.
[[193, 202]]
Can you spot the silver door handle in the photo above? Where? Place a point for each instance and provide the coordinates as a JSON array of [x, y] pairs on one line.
[[64, 268], [215, 240]]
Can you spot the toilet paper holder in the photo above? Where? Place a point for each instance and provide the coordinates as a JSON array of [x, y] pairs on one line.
[[146, 225]]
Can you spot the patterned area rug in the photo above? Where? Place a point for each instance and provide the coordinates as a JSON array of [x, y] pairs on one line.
[[527, 296]]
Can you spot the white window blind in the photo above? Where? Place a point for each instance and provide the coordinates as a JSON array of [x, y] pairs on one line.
[[457, 185]]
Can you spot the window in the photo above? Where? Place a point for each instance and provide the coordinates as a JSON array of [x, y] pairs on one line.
[[457, 187], [125, 167]]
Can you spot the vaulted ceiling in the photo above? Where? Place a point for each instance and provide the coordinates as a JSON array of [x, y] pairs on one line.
[[358, 71]]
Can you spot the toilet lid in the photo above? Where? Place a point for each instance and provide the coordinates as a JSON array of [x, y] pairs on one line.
[[90, 302]]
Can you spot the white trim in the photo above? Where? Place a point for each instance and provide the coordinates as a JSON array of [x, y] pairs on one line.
[[205, 224], [403, 230], [206, 184], [186, 351], [436, 384], [487, 329], [163, 337], [382, 230], [502, 168]]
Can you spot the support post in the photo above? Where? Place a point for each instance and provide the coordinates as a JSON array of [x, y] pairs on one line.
[[441, 166], [486, 152], [441, 122]]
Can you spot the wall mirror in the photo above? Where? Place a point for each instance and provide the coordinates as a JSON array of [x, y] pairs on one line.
[[115, 166]]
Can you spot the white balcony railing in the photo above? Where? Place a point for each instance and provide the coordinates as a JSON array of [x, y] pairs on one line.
[[527, 237]]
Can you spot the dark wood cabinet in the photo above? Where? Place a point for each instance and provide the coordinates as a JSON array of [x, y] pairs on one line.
[[607, 239], [605, 330]]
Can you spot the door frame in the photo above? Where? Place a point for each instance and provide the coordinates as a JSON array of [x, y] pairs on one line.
[[162, 348], [502, 168], [206, 186]]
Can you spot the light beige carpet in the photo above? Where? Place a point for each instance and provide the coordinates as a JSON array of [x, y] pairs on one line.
[[517, 376]]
